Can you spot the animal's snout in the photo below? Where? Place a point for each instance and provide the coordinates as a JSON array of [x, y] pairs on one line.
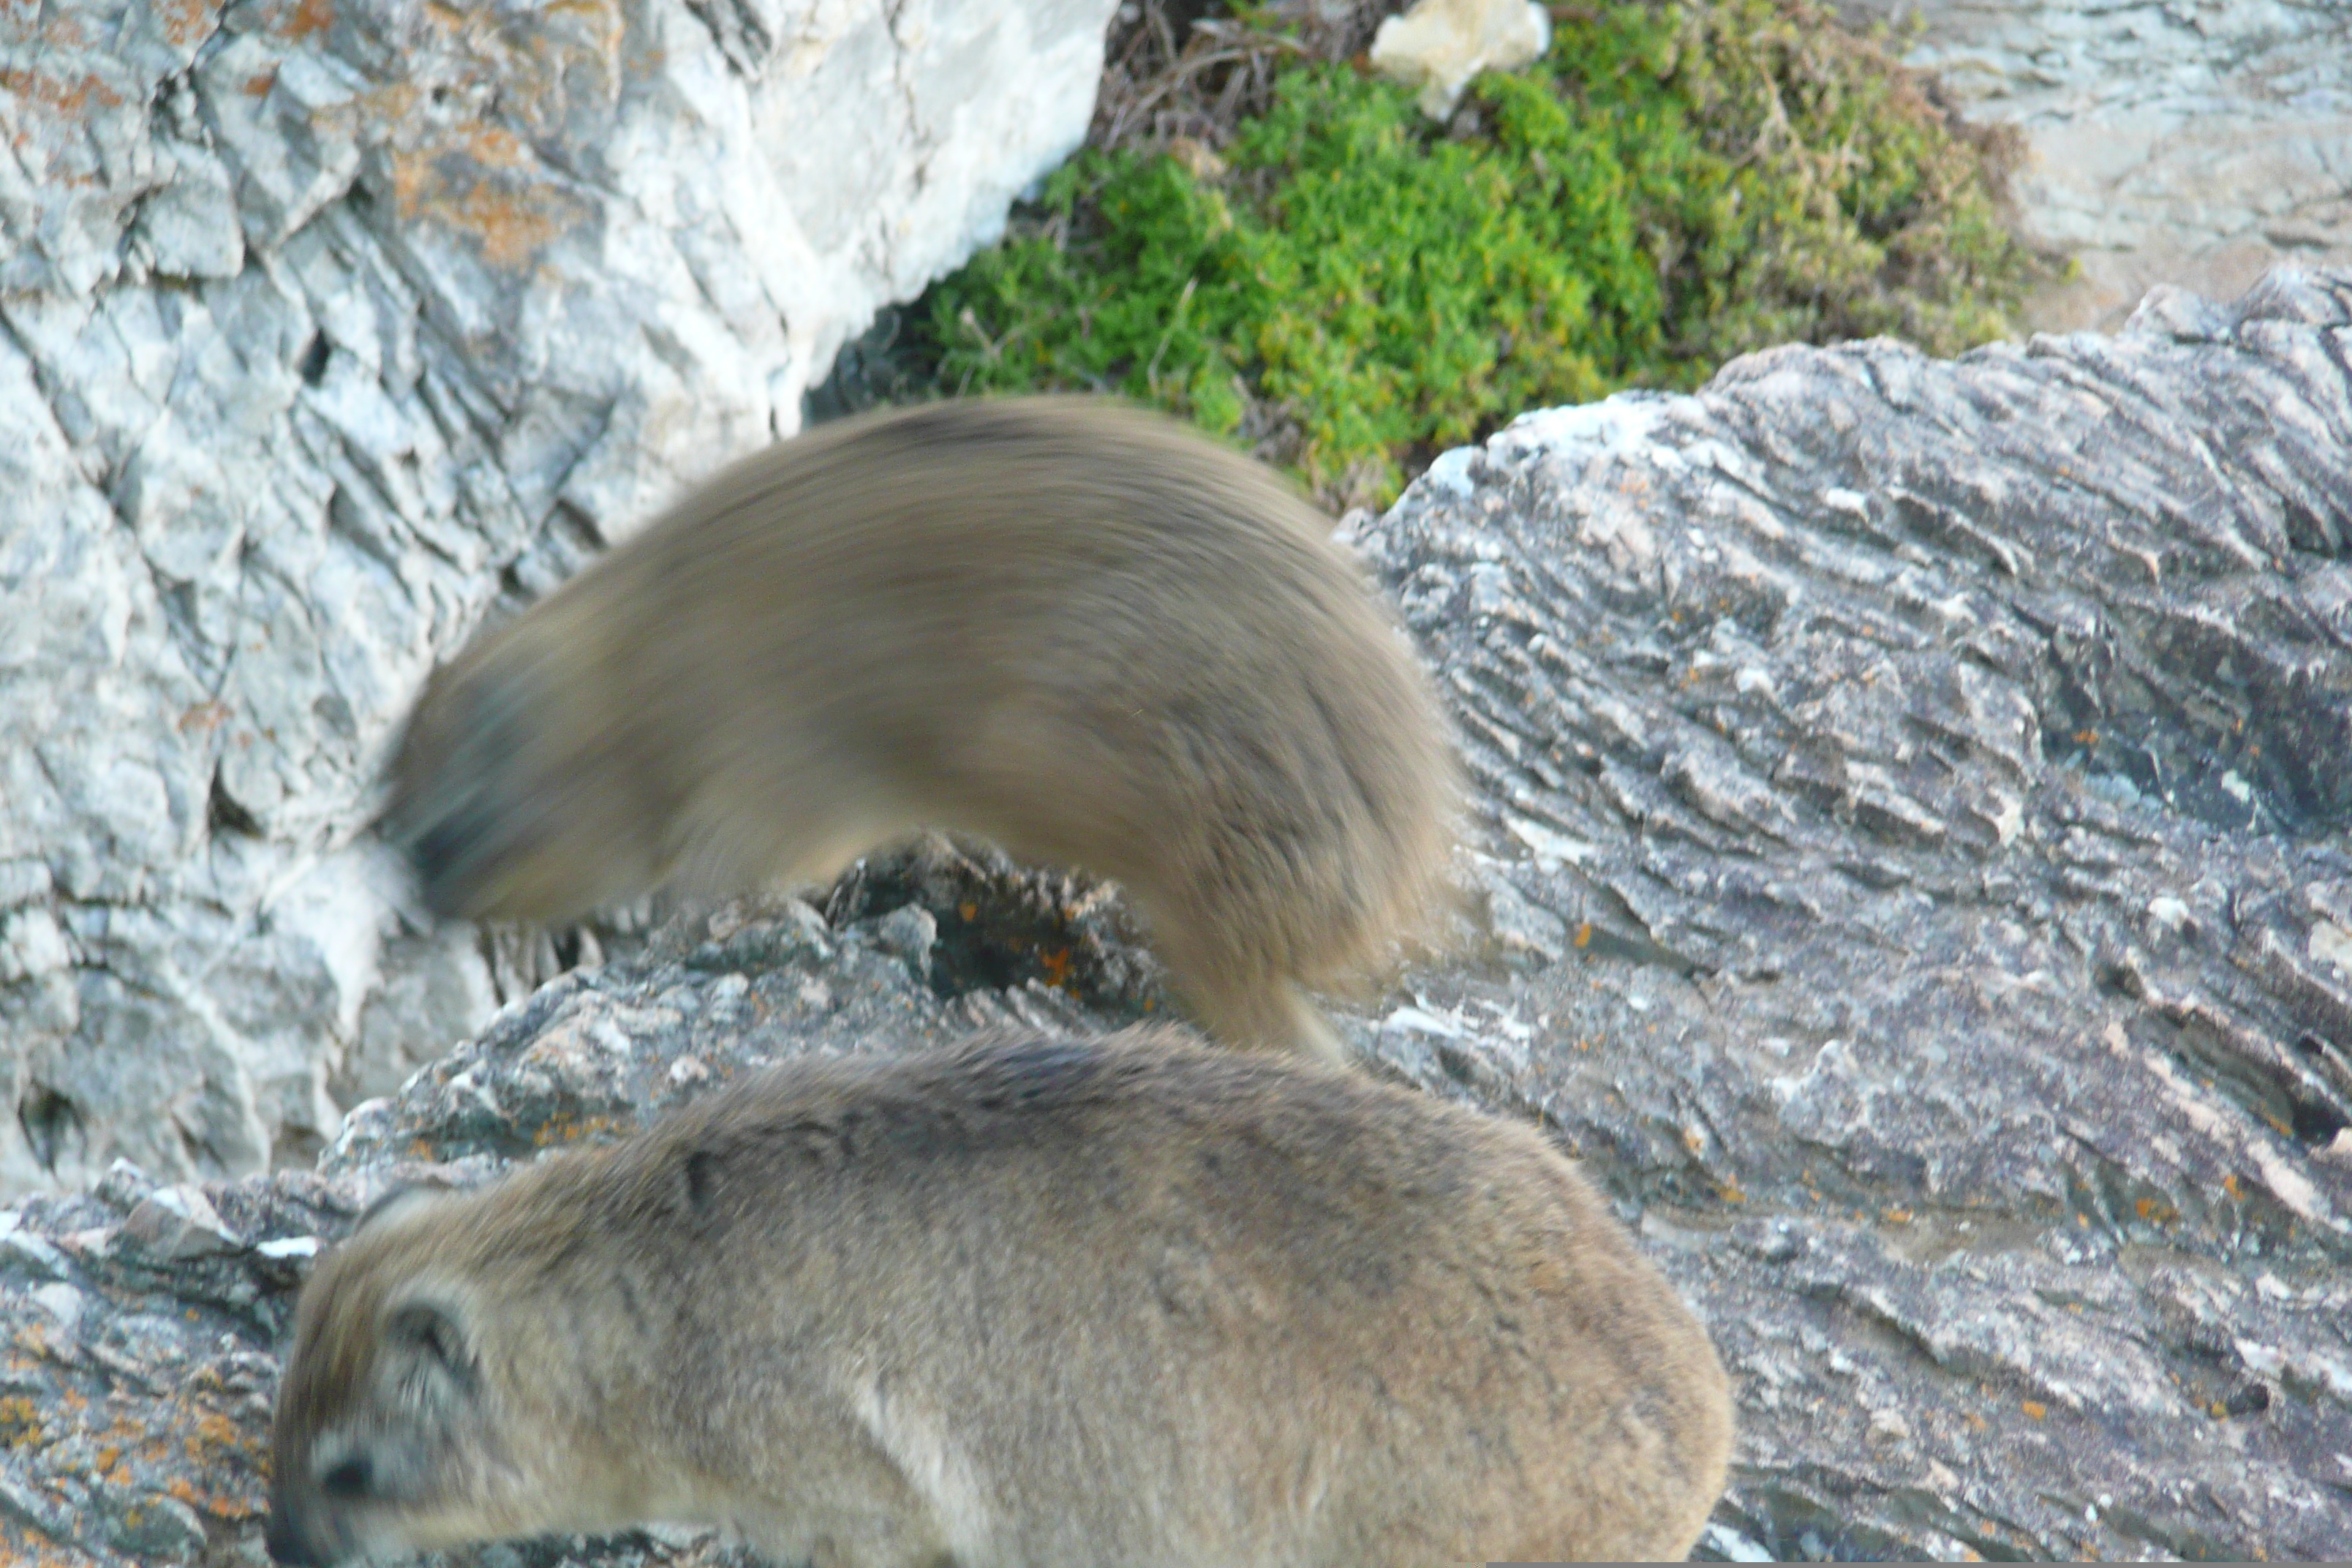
[[447, 855], [288, 1544], [458, 808]]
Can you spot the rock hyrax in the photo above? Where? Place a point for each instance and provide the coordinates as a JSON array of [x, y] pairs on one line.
[[1029, 1303], [1080, 630]]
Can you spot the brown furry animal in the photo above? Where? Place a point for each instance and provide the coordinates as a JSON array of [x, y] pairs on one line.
[[1078, 630], [1024, 1304]]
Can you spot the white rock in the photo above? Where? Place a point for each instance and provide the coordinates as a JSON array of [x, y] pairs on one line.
[[62, 1301], [314, 338], [1439, 45], [2332, 944], [32, 945]]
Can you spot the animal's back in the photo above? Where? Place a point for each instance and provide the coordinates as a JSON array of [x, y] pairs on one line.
[[1078, 630], [1149, 1304], [1095, 635]]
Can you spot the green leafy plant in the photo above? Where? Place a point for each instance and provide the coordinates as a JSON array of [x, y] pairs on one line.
[[1350, 288]]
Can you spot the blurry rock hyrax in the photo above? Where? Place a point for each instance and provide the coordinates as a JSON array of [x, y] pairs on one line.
[[1022, 1304], [1073, 628]]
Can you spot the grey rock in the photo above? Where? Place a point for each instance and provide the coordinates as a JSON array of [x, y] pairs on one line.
[[172, 1224], [1991, 1113], [2194, 144], [910, 931], [151, 1526], [327, 335], [1936, 764]]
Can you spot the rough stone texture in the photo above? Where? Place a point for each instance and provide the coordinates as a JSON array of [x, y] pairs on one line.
[[1915, 791], [2192, 143], [1912, 840], [328, 328]]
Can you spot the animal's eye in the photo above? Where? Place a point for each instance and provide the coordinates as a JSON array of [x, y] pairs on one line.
[[347, 1477]]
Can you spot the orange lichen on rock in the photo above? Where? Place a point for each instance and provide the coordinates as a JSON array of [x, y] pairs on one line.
[[215, 1504], [566, 1129], [309, 16], [68, 97], [509, 219], [20, 1423], [511, 231], [187, 23]]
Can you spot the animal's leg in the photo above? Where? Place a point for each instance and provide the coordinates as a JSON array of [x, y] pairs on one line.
[[1271, 1014]]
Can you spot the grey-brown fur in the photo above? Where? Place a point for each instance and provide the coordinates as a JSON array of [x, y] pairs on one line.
[[1023, 1304], [1080, 630]]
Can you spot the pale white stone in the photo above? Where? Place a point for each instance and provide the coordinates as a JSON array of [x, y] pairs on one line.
[[1439, 45], [2332, 944]]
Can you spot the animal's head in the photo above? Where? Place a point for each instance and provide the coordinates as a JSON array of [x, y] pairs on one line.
[[523, 788], [397, 1426]]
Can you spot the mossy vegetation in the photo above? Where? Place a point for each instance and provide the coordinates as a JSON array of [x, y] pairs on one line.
[[1349, 288]]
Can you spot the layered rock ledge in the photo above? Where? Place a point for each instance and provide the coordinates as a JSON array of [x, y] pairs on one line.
[[1910, 827]]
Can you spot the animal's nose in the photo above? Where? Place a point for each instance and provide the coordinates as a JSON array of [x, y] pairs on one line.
[[287, 1543]]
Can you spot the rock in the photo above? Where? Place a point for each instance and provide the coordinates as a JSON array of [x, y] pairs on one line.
[[152, 1526], [1933, 761], [1929, 768], [332, 333], [910, 931], [1438, 46], [172, 1224], [2192, 144]]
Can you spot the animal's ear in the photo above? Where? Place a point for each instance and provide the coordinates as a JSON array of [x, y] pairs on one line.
[[430, 1353]]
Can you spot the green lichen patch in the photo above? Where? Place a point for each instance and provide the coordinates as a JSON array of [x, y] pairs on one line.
[[1348, 288]]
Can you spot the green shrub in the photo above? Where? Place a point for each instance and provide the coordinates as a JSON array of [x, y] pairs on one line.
[[1666, 188]]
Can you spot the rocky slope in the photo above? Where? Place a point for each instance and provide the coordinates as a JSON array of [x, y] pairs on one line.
[[329, 329], [1911, 834]]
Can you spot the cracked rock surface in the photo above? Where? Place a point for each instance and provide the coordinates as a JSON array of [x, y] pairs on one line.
[[1912, 791], [1911, 849], [329, 329]]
